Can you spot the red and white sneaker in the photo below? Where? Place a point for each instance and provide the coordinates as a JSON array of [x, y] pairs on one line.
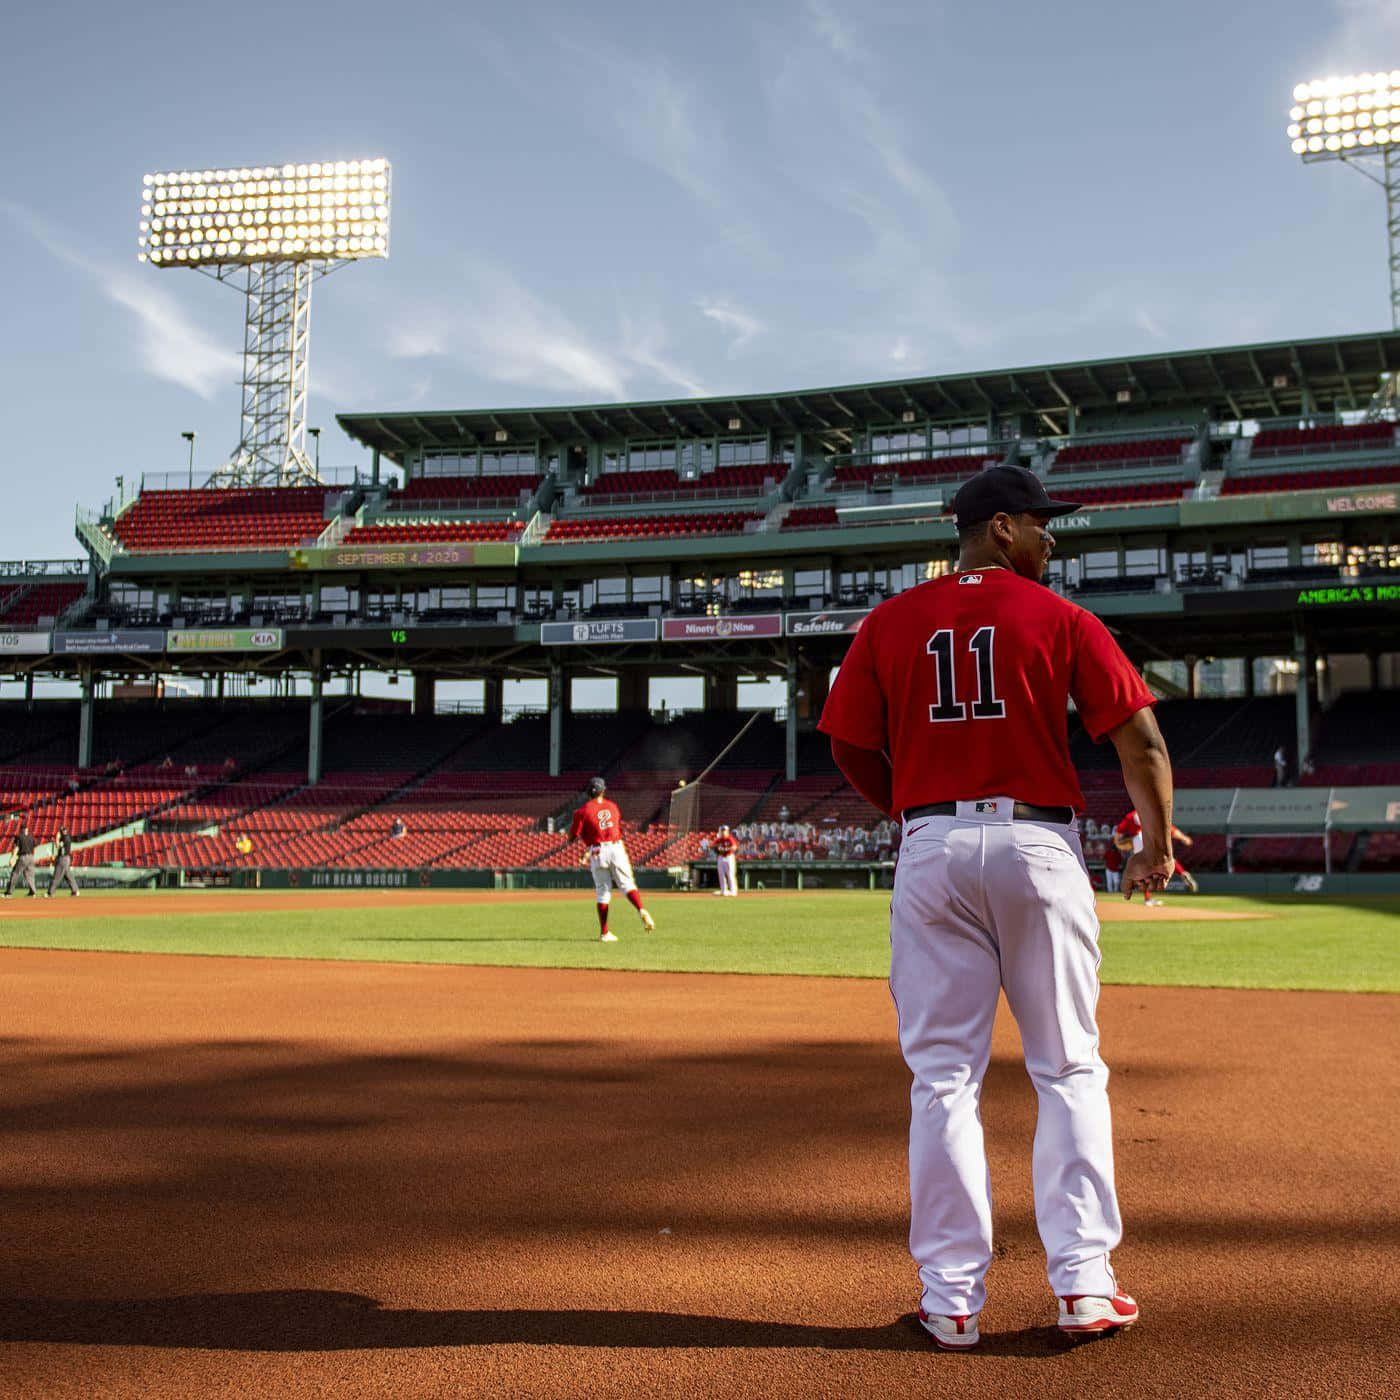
[[956, 1333], [1083, 1313]]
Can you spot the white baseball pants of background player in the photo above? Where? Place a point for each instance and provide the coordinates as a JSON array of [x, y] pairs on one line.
[[728, 868], [610, 867], [983, 903]]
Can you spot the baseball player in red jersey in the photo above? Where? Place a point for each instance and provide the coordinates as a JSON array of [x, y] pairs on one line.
[[726, 850], [598, 824], [1127, 836], [950, 711]]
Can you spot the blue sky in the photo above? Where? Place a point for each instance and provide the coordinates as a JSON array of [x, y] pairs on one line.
[[628, 200]]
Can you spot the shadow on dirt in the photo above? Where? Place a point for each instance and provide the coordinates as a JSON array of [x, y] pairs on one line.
[[314, 1320]]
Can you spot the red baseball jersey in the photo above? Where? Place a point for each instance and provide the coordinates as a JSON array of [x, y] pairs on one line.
[[964, 683], [724, 845], [1130, 826], [596, 821]]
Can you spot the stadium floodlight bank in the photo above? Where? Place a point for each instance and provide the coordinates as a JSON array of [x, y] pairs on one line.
[[280, 226], [1356, 120]]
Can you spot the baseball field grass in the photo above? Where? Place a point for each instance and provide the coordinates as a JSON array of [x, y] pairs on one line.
[[1215, 941]]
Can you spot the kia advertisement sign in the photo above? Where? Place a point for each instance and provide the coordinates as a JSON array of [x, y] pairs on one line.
[[721, 629], [226, 639], [820, 624]]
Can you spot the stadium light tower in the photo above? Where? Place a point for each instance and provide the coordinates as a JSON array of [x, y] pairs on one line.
[[274, 229], [1356, 120]]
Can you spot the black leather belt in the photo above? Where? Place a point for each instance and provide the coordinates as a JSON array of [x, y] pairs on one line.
[[1021, 812]]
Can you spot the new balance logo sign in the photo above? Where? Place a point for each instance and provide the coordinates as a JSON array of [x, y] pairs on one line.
[[971, 578]]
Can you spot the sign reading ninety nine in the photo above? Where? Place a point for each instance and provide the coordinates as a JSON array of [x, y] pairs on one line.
[[225, 639], [710, 629], [405, 556]]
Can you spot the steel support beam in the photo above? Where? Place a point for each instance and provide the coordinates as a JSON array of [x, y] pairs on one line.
[[85, 717], [1303, 655], [790, 728], [314, 735], [558, 699]]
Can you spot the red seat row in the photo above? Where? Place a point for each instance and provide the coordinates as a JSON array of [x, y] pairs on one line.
[[1128, 492], [1138, 450], [466, 488], [250, 517], [810, 517], [466, 531], [43, 600], [655, 526], [746, 479], [1310, 480], [1330, 438], [921, 469]]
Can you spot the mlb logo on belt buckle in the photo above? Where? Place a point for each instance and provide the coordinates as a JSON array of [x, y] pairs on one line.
[[983, 807], [971, 578]]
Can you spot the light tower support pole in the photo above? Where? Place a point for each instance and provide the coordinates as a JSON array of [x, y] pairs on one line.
[[1392, 224], [276, 340]]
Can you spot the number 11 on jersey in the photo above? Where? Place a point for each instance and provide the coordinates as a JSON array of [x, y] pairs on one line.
[[948, 708]]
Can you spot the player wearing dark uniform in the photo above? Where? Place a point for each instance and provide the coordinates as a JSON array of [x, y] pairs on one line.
[[22, 862], [950, 711], [63, 863], [598, 824]]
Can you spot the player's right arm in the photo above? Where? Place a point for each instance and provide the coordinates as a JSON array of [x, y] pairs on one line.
[[1147, 774], [855, 719]]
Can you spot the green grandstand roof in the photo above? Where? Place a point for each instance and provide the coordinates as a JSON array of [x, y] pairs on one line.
[[1275, 380]]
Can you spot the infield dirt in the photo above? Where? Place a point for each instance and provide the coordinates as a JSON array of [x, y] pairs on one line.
[[232, 1177]]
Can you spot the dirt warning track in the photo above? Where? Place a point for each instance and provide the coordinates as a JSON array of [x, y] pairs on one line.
[[230, 1177]]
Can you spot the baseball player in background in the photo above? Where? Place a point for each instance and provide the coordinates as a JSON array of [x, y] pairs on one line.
[[1127, 836], [598, 824], [950, 710], [726, 850], [63, 864], [22, 862]]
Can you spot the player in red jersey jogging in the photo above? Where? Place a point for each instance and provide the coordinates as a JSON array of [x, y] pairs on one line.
[[950, 712], [598, 824]]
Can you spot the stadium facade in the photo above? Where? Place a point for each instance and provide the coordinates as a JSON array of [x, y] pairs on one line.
[[1239, 503]]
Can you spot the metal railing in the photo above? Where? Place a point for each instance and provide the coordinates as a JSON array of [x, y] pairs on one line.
[[199, 480], [44, 568]]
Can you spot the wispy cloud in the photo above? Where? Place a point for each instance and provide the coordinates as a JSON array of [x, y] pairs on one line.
[[169, 344], [741, 325], [1365, 29], [1144, 320], [497, 328], [673, 126]]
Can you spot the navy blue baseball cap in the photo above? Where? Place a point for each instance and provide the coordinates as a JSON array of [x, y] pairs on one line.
[[1011, 489]]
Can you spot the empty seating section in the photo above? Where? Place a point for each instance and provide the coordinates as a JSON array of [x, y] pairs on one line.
[[234, 518], [859, 474], [573, 529], [1138, 452], [810, 518], [1321, 480], [429, 531], [1348, 437], [462, 792], [28, 605], [1129, 493], [465, 488], [750, 480]]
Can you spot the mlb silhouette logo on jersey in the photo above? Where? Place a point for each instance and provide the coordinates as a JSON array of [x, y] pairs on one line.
[[985, 807], [971, 578]]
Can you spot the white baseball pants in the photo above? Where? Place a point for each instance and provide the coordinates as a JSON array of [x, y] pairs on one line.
[[982, 904], [728, 869], [609, 866]]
